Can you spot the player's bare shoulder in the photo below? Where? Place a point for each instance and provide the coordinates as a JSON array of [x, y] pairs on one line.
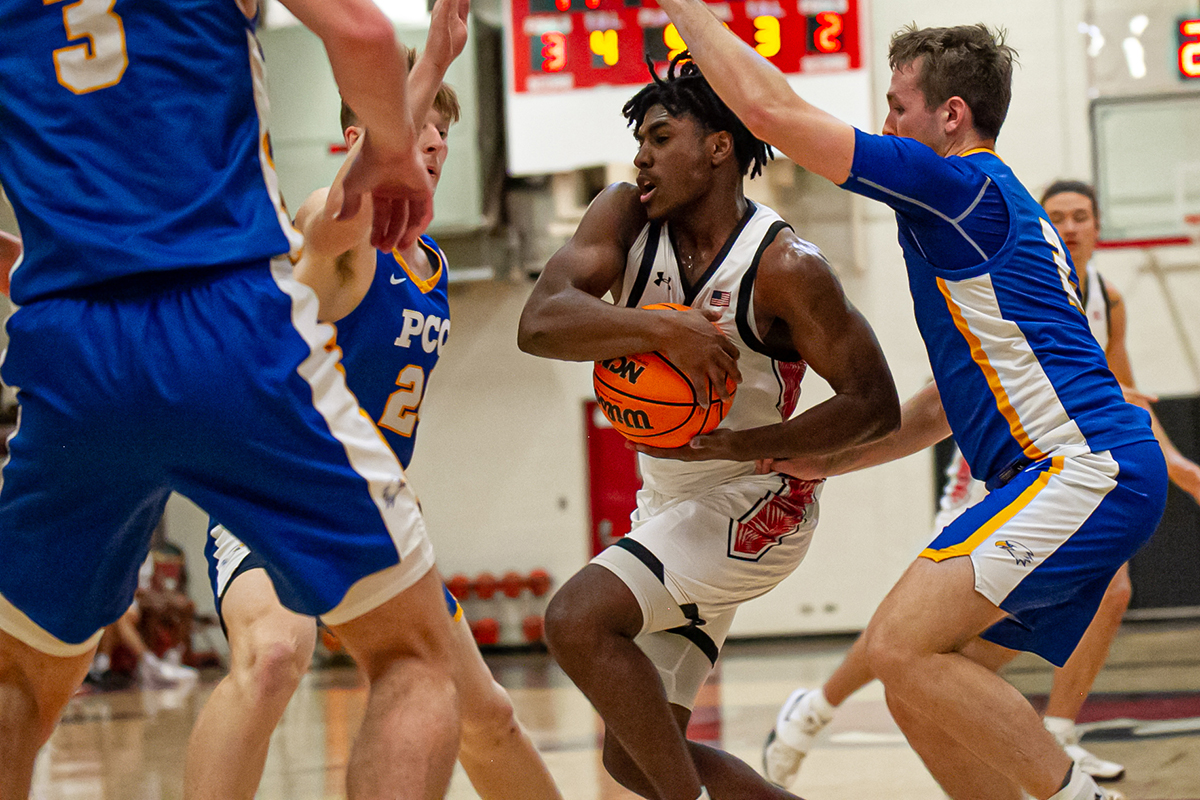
[[792, 270], [796, 293], [594, 258], [616, 212]]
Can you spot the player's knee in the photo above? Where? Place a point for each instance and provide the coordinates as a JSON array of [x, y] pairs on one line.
[[585, 611], [274, 665], [566, 624], [488, 722], [887, 653]]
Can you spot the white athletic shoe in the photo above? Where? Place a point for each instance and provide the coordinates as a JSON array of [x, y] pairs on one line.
[[155, 673], [789, 741], [1093, 765], [1068, 737]]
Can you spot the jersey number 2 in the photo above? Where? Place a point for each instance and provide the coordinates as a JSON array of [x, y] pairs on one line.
[[400, 413], [100, 61]]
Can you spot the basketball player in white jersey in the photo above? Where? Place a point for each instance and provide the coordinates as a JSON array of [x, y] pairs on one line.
[[1071, 206], [638, 629]]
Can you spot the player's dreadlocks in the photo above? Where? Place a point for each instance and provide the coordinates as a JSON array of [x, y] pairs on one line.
[[686, 91]]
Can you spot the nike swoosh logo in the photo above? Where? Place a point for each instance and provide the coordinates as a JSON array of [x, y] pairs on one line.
[[396, 280]]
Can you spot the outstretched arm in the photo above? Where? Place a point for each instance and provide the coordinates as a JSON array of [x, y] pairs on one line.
[[370, 73], [922, 424], [446, 40], [566, 318], [759, 94], [797, 291], [1184, 472]]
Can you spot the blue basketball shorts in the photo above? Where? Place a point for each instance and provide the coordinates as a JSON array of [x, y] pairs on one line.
[[217, 384], [228, 557], [1046, 544]]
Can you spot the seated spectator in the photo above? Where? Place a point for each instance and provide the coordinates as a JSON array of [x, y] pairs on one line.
[[152, 639]]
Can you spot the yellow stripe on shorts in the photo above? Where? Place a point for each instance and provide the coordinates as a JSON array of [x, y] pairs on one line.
[[968, 545]]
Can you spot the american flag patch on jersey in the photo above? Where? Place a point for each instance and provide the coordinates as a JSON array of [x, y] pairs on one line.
[[719, 298]]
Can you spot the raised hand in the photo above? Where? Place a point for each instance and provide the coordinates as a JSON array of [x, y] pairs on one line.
[[447, 31], [702, 351]]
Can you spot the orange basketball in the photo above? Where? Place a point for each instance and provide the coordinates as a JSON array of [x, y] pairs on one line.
[[650, 401]]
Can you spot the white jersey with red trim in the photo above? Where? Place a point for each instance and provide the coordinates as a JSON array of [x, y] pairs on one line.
[[1097, 308], [770, 386], [961, 490]]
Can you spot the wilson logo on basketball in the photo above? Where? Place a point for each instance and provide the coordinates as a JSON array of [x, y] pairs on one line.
[[651, 401], [624, 368], [633, 419]]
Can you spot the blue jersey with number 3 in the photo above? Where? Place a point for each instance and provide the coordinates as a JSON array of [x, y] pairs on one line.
[[171, 165], [997, 302], [391, 342]]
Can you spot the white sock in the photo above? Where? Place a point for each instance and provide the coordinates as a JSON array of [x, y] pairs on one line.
[[1062, 728], [703, 794], [820, 705], [1080, 787], [100, 664]]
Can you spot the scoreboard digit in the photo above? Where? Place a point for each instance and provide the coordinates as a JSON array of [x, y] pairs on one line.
[[1189, 49], [587, 43], [549, 52], [825, 32]]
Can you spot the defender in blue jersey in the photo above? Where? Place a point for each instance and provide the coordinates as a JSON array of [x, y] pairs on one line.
[[1078, 483], [392, 315], [162, 344]]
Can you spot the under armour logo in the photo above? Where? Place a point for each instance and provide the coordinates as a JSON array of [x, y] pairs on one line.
[[661, 279]]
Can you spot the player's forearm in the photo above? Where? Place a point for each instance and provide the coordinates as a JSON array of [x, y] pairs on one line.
[[367, 64], [747, 82], [759, 94], [841, 424], [1181, 470], [430, 70], [572, 325], [423, 84], [922, 425]]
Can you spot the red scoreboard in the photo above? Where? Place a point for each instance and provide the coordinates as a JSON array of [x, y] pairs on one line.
[[559, 45]]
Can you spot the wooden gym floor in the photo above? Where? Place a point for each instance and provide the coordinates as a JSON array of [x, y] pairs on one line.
[[1145, 713]]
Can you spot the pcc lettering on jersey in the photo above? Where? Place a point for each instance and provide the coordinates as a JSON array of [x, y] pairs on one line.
[[431, 330]]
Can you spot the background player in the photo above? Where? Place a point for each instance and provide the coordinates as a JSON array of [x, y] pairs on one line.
[[1078, 482], [10, 251], [1071, 206], [393, 317], [639, 628], [160, 344]]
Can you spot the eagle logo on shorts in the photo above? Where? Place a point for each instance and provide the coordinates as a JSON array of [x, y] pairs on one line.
[[1020, 553]]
